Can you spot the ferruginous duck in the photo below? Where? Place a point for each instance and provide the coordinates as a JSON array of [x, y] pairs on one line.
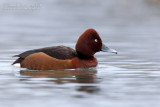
[[62, 57]]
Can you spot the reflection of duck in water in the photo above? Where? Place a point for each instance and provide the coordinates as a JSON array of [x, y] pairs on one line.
[[68, 76], [62, 57], [73, 76]]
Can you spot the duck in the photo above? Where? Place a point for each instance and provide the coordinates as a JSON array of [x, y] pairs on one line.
[[63, 57]]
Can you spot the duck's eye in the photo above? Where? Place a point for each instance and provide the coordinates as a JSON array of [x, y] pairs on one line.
[[96, 40]]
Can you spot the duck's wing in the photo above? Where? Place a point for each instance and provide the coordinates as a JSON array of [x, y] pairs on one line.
[[58, 52]]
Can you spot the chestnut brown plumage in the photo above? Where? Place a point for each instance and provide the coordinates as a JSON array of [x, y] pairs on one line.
[[62, 57], [58, 52]]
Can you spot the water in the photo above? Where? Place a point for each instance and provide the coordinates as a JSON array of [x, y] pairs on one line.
[[129, 79]]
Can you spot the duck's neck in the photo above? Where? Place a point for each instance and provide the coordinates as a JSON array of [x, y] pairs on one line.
[[81, 56]]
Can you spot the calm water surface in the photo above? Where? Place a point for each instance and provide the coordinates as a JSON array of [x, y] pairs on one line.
[[129, 79]]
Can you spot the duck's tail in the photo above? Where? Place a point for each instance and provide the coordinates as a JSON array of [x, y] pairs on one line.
[[19, 60]]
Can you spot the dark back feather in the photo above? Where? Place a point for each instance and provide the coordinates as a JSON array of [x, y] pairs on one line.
[[58, 52]]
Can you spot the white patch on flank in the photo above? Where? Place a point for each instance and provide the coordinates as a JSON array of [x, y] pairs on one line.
[[17, 65]]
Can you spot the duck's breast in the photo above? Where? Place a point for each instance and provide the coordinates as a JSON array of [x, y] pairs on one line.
[[84, 63]]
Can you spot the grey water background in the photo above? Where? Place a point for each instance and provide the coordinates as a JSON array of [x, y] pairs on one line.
[[129, 79]]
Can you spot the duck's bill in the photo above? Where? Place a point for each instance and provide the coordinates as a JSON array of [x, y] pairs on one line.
[[106, 49]]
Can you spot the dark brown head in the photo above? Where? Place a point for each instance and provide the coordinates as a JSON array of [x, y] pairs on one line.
[[89, 43]]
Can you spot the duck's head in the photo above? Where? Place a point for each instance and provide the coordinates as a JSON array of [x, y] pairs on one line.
[[89, 43]]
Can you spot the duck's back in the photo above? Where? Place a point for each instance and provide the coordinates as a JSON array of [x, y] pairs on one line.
[[58, 52]]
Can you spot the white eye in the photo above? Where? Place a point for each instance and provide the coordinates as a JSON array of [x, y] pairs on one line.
[[96, 40]]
